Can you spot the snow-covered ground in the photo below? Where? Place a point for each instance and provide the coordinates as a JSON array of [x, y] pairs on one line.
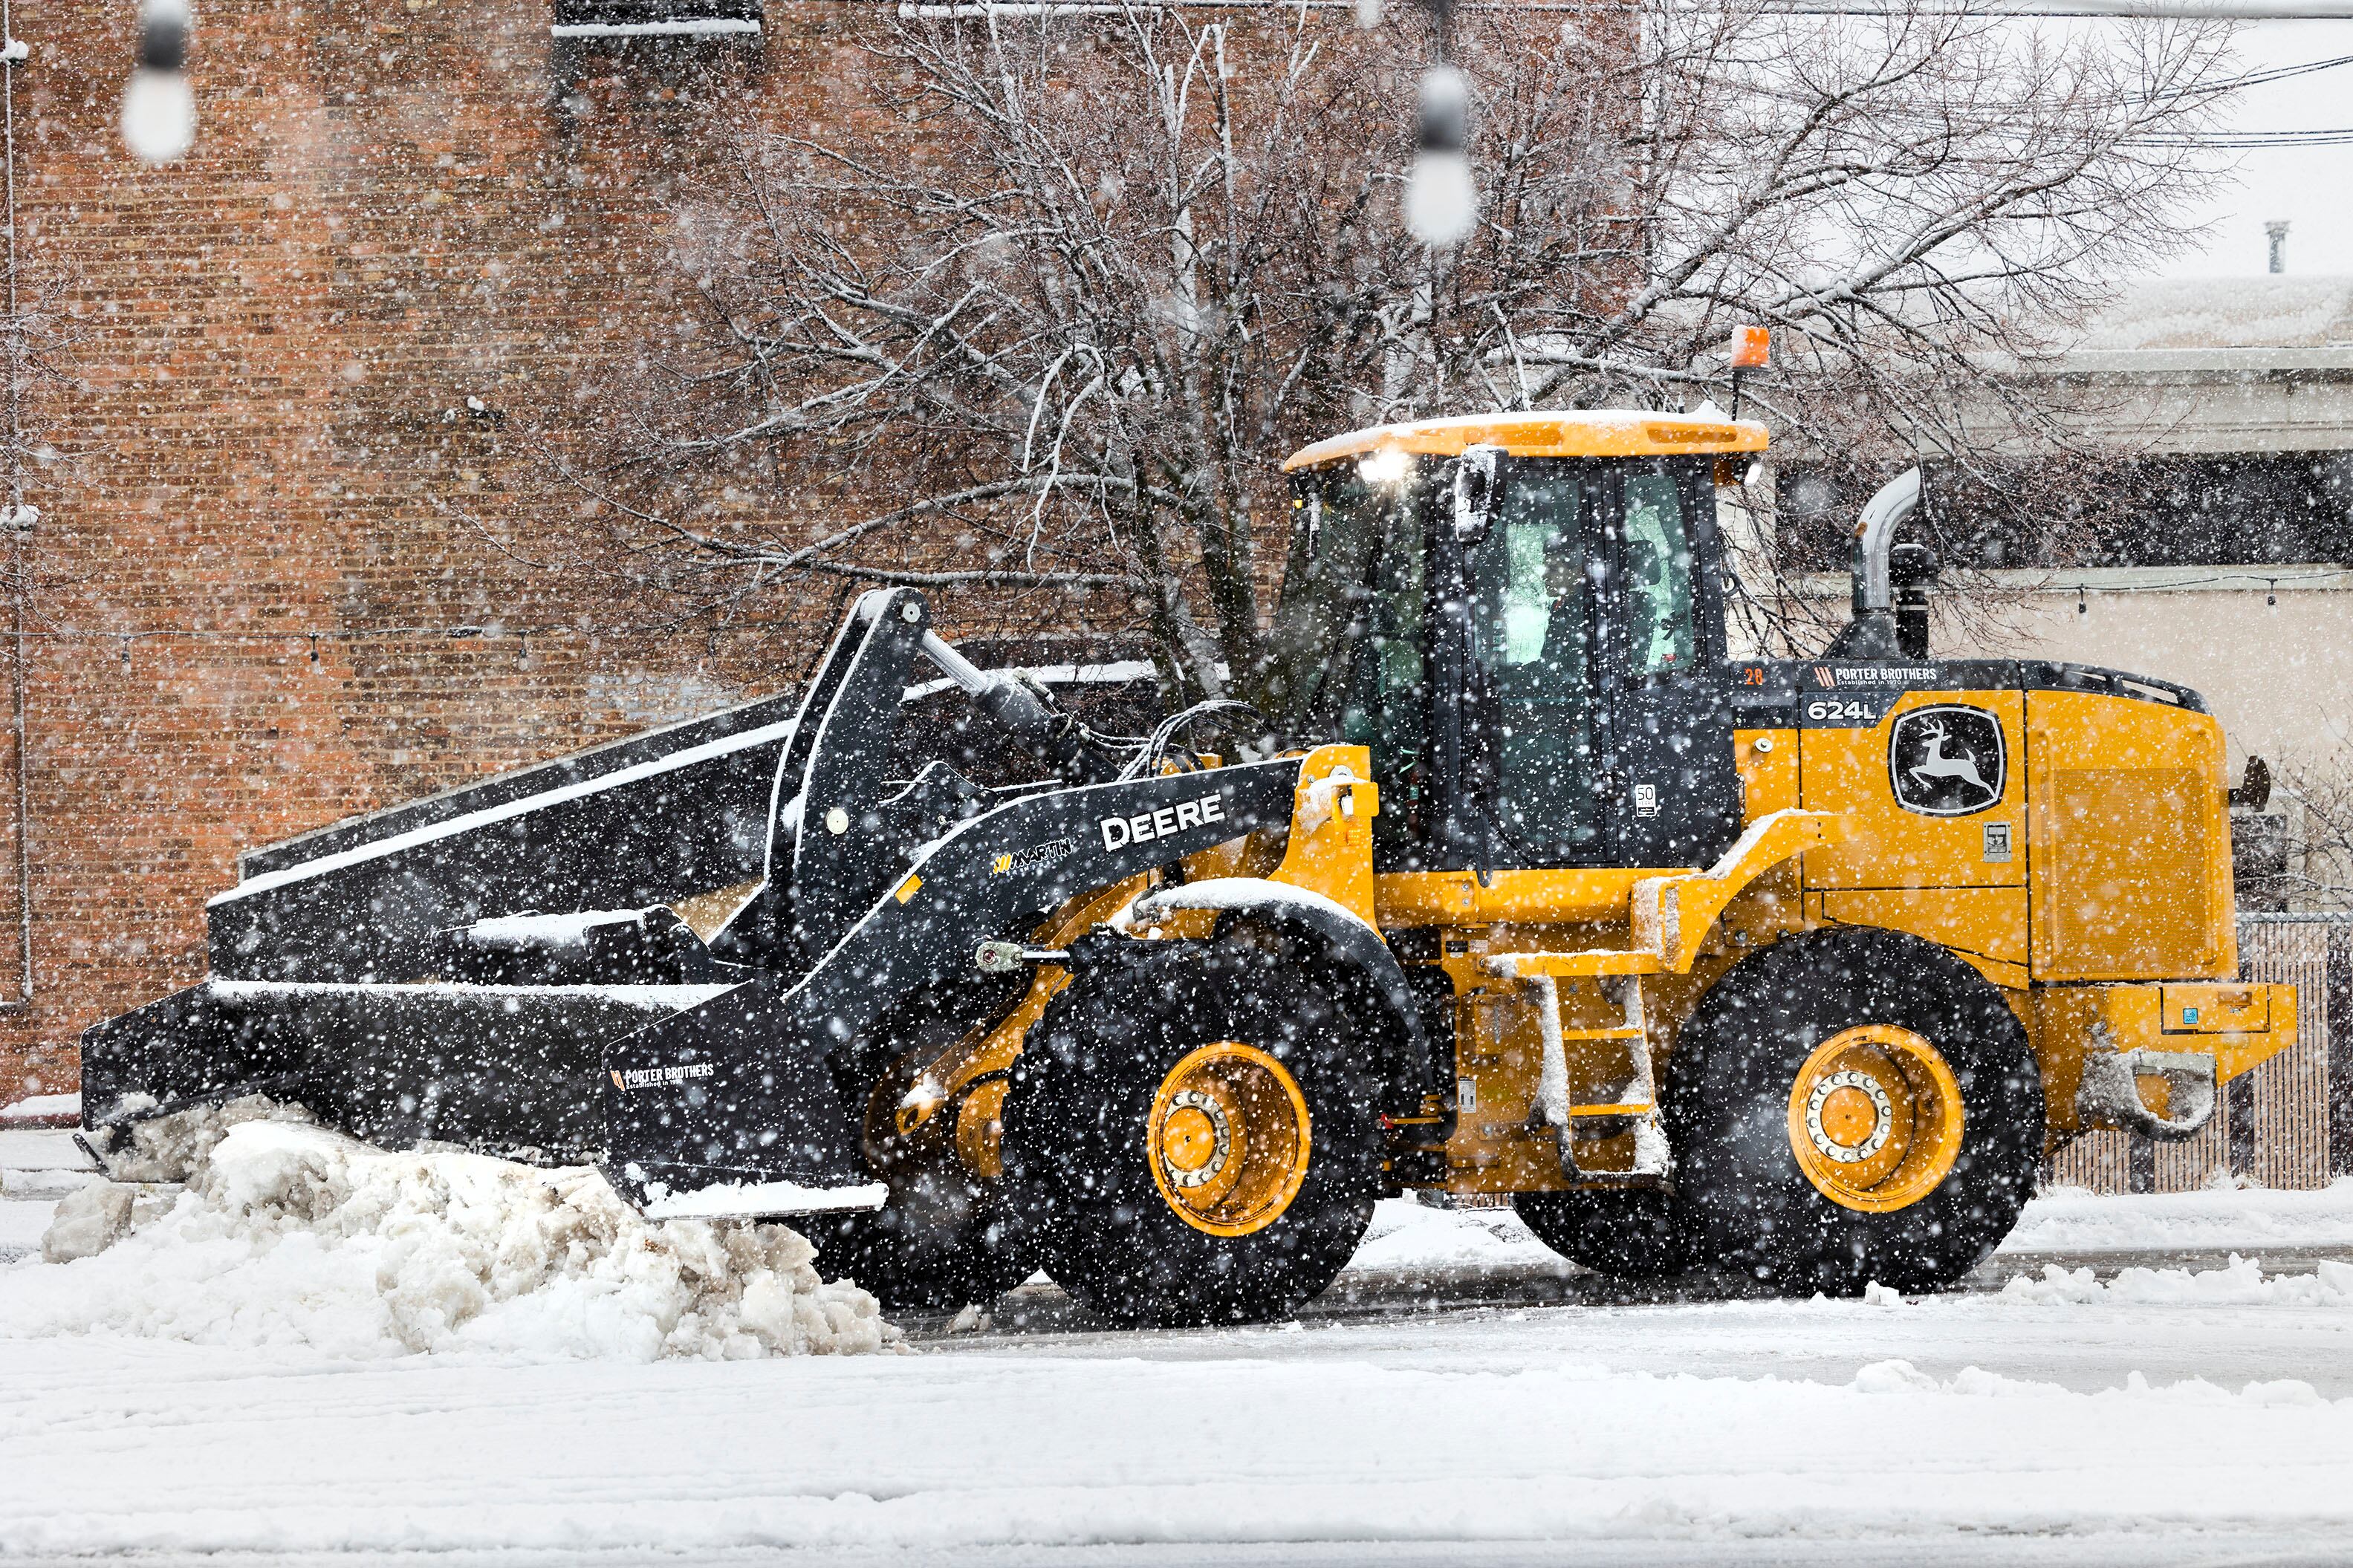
[[2070, 1409]]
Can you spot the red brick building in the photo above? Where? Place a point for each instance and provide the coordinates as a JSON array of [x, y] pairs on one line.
[[254, 599]]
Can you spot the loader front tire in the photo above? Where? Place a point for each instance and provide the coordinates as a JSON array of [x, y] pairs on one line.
[[1192, 1133], [1853, 1106]]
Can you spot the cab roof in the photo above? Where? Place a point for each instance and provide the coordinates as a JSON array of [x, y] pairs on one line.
[[1567, 433]]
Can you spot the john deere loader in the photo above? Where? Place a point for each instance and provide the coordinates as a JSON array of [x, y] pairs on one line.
[[1794, 967]]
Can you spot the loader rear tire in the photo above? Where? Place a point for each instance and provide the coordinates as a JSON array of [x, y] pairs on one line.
[[1853, 1106], [1194, 1136], [1626, 1235]]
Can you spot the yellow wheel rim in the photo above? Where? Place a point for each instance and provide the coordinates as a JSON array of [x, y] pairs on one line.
[[1875, 1117], [1228, 1140]]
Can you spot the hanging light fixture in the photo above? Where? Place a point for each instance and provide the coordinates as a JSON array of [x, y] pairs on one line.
[[1441, 202], [158, 112]]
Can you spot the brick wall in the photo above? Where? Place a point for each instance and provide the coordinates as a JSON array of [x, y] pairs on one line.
[[388, 211]]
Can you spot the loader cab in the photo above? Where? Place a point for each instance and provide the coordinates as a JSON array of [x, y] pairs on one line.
[[1523, 616]]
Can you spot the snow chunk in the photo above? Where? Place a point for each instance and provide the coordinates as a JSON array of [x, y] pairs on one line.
[[1246, 894], [536, 930], [1408, 1236], [1894, 1377], [167, 1148], [2240, 1283], [754, 1200], [97, 1213], [292, 1234]]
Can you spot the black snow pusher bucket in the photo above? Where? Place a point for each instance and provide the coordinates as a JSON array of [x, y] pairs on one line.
[[653, 955]]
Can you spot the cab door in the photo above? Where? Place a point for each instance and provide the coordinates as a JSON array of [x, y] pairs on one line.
[[1670, 785], [1593, 671], [1532, 751]]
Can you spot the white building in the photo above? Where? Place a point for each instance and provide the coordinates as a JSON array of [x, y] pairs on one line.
[[2231, 404]]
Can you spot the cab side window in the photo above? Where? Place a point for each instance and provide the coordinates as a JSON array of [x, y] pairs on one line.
[[1661, 623]]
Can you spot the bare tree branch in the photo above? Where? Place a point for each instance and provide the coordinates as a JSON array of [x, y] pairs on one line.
[[1096, 274]]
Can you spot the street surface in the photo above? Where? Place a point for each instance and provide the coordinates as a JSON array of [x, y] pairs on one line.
[[1460, 1397]]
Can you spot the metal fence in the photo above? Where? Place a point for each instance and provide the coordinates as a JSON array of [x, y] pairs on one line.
[[2289, 1123]]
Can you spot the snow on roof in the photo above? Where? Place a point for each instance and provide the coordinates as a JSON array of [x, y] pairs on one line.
[[2193, 313]]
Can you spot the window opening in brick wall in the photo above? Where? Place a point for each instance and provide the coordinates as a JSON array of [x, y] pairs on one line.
[[2269, 509], [655, 18]]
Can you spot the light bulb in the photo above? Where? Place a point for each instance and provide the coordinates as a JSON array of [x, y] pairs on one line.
[[158, 112], [1441, 203], [159, 116]]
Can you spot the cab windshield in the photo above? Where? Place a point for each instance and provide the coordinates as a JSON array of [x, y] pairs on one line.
[[1348, 647]]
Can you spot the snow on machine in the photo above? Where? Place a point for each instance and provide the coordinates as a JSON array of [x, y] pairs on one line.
[[1796, 966]]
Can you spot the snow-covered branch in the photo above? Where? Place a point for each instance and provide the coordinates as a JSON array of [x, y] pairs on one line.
[[1068, 301]]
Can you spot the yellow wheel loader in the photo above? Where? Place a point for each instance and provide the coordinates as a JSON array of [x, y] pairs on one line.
[[1795, 967]]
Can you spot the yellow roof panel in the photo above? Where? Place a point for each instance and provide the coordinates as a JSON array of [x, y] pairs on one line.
[[1569, 433]]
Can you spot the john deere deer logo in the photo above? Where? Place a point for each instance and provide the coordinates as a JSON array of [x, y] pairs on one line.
[[1946, 761], [1940, 766]]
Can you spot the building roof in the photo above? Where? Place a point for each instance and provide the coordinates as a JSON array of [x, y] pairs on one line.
[[2194, 314], [2217, 365], [1564, 432]]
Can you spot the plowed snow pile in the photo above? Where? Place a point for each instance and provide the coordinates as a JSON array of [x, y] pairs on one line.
[[291, 1234], [2242, 1283]]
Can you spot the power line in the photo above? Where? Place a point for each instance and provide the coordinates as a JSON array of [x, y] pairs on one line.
[[2336, 136], [2096, 10], [2281, 73], [2271, 581]]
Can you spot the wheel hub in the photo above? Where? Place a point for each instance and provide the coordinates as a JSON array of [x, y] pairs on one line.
[[1227, 1138], [1848, 1116], [1875, 1117], [1197, 1140]]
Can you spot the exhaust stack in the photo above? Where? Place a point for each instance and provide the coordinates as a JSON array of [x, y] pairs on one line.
[[1872, 634]]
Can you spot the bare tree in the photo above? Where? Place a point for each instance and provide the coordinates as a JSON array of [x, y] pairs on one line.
[[2319, 863], [1098, 273]]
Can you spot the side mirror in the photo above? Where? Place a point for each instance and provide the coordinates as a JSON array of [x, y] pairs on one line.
[[1478, 485]]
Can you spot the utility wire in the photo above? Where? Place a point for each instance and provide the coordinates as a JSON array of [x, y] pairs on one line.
[[2281, 73]]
